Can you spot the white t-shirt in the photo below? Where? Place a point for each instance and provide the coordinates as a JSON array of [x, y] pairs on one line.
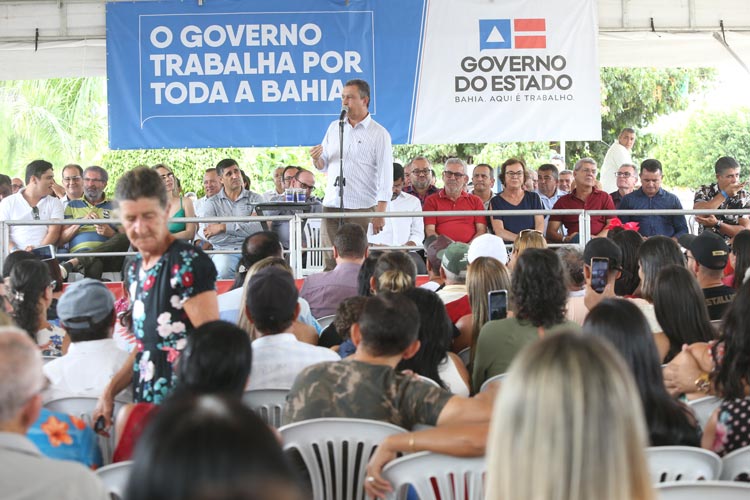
[[15, 207]]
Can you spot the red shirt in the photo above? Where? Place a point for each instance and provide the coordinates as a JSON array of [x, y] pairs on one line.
[[597, 200], [456, 227]]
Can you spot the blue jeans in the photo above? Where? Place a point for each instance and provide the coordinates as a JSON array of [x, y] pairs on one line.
[[226, 264]]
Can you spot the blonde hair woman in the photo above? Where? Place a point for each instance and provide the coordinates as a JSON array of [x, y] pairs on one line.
[[528, 238], [179, 206], [568, 425], [484, 275]]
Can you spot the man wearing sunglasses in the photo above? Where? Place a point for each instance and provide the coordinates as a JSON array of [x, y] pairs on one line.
[[34, 202]]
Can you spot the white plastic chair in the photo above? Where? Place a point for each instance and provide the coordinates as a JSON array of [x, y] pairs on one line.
[[455, 478], [326, 320], [267, 403], [465, 355], [703, 490], [496, 378], [703, 408], [315, 259], [335, 452], [682, 463], [736, 465], [115, 477], [83, 407]]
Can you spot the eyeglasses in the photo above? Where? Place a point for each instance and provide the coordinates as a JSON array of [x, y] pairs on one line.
[[624, 174], [305, 186], [449, 174], [289, 179], [89, 179], [17, 186], [514, 174], [75, 178], [166, 176], [35, 212], [420, 172]]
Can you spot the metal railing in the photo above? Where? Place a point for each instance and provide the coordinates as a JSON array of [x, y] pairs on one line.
[[296, 222]]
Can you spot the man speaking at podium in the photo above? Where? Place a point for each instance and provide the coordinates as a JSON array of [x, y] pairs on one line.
[[368, 164]]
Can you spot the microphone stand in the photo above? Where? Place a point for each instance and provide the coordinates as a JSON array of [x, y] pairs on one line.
[[341, 179]]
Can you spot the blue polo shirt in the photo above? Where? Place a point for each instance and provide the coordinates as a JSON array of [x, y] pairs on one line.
[[652, 225]]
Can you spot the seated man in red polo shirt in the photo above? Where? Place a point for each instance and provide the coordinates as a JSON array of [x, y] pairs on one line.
[[584, 196], [463, 228]]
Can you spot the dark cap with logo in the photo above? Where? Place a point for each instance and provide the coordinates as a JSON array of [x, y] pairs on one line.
[[603, 248], [708, 248]]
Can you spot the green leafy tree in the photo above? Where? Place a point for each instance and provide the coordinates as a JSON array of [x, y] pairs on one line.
[[635, 97], [689, 153]]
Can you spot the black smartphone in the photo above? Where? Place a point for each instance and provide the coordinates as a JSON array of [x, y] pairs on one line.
[[498, 304], [44, 252], [99, 425], [599, 270]]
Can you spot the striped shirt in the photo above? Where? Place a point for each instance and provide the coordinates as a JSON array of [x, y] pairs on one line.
[[87, 239], [368, 164]]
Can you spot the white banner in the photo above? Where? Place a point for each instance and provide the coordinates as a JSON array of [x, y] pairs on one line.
[[514, 70]]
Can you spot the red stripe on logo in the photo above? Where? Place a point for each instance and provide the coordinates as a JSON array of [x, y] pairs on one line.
[[529, 25], [531, 42]]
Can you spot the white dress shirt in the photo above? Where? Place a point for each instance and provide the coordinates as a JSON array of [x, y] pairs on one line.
[[368, 164], [278, 359], [399, 230]]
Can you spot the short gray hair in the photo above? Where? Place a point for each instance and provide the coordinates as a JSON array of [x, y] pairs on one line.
[[420, 157], [580, 163], [456, 161], [20, 371]]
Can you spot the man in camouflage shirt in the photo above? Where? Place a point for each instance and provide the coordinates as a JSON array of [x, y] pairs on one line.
[[726, 193], [366, 384]]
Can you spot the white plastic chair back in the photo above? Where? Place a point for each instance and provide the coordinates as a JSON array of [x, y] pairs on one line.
[[326, 320], [311, 232], [455, 478], [83, 407], [465, 355], [682, 463], [490, 380], [703, 408], [336, 452], [736, 465], [703, 490], [115, 477], [428, 380], [267, 403]]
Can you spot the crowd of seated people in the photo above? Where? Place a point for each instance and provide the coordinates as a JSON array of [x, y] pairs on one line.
[[371, 338]]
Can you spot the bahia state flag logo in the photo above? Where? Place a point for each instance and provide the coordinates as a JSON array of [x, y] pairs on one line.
[[527, 33]]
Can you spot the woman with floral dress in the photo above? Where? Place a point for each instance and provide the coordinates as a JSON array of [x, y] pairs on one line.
[[171, 287]]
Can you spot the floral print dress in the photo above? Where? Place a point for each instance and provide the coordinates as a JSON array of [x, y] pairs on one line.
[[160, 323]]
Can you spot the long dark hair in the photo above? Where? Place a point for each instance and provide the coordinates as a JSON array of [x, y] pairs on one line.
[[681, 309], [538, 290], [365, 273], [629, 242], [28, 279], [655, 253], [741, 251], [624, 325], [732, 372], [435, 335]]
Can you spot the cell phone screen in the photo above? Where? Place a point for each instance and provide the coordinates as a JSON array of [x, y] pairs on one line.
[[44, 252], [498, 304], [599, 269]]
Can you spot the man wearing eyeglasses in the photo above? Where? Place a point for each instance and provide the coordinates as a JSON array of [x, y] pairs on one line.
[[72, 182], [626, 177], [90, 237], [16, 184], [585, 196], [421, 179], [728, 192], [461, 228], [302, 179], [34, 202]]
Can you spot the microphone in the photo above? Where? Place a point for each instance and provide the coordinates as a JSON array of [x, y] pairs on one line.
[[344, 111]]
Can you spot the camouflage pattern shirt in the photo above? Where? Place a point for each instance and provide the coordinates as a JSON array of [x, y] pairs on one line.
[[354, 389], [740, 200]]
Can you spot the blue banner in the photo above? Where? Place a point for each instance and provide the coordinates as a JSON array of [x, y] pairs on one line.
[[260, 73]]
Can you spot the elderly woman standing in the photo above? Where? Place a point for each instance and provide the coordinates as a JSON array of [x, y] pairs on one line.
[[171, 286]]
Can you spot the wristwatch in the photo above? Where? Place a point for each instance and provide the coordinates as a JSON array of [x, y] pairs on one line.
[[718, 224]]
